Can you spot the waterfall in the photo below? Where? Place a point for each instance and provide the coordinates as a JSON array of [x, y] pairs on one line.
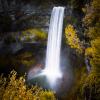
[[52, 65], [52, 69]]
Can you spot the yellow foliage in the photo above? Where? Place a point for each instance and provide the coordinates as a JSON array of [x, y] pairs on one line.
[[90, 85], [93, 78], [95, 61], [32, 34], [88, 51], [92, 16], [72, 38], [25, 58], [94, 52], [16, 89], [93, 32], [96, 4]]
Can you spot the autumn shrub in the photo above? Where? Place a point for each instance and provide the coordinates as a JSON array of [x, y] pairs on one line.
[[72, 38], [13, 88]]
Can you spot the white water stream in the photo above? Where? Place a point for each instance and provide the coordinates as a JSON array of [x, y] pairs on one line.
[[52, 66]]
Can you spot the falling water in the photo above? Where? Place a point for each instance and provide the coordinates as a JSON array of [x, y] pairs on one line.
[[52, 66]]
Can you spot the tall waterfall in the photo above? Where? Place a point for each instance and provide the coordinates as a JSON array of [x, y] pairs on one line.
[[52, 65]]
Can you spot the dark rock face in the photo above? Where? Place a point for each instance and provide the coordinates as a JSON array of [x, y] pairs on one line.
[[15, 13], [21, 14]]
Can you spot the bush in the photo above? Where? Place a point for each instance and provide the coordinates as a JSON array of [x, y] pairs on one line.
[[13, 88]]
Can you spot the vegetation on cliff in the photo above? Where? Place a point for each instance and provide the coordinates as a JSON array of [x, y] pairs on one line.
[[14, 88], [88, 87]]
